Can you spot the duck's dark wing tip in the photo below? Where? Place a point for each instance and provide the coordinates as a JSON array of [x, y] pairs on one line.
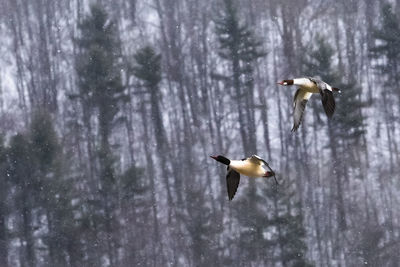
[[328, 102], [232, 182], [299, 105], [297, 122]]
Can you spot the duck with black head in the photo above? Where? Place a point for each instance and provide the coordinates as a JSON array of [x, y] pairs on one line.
[[253, 166]]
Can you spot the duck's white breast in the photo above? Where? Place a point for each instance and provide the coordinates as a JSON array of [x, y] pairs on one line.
[[306, 84], [247, 168]]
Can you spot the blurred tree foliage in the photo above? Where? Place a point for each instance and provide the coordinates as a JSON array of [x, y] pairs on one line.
[[239, 47]]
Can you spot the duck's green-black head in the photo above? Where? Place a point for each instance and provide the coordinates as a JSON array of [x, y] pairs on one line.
[[221, 159]]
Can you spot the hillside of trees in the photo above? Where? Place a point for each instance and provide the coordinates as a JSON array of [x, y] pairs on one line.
[[109, 111]]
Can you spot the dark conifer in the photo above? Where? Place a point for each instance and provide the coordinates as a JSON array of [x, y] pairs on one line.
[[4, 205], [239, 47], [101, 90]]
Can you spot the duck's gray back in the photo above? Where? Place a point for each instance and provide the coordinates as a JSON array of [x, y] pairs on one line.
[[321, 84]]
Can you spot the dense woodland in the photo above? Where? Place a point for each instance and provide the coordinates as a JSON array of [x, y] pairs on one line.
[[109, 111]]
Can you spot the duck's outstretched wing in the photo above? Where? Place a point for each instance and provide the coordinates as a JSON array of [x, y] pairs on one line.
[[328, 102], [232, 182], [300, 100], [257, 160]]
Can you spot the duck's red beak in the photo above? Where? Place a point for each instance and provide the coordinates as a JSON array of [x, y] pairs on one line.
[[280, 83], [214, 157]]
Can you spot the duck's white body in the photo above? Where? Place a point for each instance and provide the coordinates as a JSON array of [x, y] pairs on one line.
[[251, 167], [307, 85], [248, 168]]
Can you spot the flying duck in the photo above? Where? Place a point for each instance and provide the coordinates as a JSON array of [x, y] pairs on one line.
[[307, 87], [251, 167]]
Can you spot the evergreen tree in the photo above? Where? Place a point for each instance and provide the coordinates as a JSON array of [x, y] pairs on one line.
[[252, 215], [135, 200], [4, 205], [274, 232], [21, 171], [147, 69], [46, 156], [388, 47], [238, 46], [42, 151], [100, 89], [350, 125], [35, 169], [287, 222], [348, 119], [346, 129], [203, 228]]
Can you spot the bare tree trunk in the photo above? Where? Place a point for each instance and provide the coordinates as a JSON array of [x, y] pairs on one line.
[[175, 72], [339, 173], [162, 146], [14, 17], [86, 113], [48, 93], [348, 10], [288, 39], [27, 230]]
